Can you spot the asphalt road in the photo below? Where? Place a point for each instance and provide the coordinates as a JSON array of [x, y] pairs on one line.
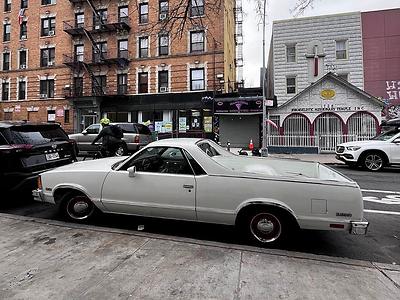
[[381, 193]]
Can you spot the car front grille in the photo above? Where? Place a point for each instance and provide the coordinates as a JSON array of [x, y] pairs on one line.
[[340, 149]]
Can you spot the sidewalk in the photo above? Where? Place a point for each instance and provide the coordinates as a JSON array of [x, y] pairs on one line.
[[46, 259]]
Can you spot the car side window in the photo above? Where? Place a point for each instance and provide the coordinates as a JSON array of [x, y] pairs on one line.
[[93, 129], [160, 160], [128, 128], [198, 170], [143, 129], [208, 149], [3, 140]]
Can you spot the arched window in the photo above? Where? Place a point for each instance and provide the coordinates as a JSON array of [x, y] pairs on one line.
[[328, 128], [362, 126]]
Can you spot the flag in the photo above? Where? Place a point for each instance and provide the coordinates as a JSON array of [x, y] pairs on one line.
[[21, 15], [272, 123]]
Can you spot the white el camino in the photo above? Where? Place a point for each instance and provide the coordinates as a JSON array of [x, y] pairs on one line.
[[197, 180]]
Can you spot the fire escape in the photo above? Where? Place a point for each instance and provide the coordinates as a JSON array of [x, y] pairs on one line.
[[239, 42], [102, 25]]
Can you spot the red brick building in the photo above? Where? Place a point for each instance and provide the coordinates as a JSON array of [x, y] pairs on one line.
[[75, 61]]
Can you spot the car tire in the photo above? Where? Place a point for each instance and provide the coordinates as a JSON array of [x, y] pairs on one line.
[[77, 207], [268, 227], [373, 161], [121, 150]]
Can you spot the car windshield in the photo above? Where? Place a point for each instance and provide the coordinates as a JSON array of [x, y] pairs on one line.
[[36, 135], [386, 135]]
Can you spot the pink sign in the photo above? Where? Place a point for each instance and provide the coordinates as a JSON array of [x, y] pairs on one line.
[[60, 112]]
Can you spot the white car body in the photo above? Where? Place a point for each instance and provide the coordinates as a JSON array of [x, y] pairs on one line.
[[354, 153], [316, 196]]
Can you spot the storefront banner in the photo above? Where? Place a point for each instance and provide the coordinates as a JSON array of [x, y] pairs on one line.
[[238, 105], [60, 112], [208, 124], [182, 124]]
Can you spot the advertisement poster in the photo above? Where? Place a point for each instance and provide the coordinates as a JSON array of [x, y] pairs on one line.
[[182, 124], [167, 127], [158, 126], [208, 124], [60, 112]]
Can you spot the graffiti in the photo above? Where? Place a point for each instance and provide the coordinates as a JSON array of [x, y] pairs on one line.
[[392, 103], [393, 89]]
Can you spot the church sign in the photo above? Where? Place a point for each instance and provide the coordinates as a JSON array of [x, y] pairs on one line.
[[328, 108]]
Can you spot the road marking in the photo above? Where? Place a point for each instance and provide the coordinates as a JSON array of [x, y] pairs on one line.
[[382, 192], [372, 211], [388, 199]]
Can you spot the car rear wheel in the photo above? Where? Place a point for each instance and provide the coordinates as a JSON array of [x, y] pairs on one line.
[[373, 161], [77, 207], [121, 150]]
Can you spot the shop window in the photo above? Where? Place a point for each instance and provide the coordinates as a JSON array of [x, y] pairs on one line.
[[123, 14], [163, 9], [152, 116], [23, 30], [66, 116], [48, 26], [290, 53], [197, 81], [22, 59], [5, 91], [80, 20], [196, 8], [291, 85], [197, 41], [143, 47], [163, 81], [122, 84], [143, 83], [6, 32], [120, 117], [341, 49], [47, 88], [6, 61], [22, 90], [47, 57], [143, 13], [163, 44]]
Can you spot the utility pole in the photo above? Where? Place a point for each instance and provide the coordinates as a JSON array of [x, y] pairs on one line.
[[264, 150]]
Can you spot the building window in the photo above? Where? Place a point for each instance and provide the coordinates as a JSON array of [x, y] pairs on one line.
[[196, 8], [78, 86], [143, 13], [22, 59], [99, 85], [341, 49], [79, 53], [80, 20], [100, 18], [66, 116], [143, 47], [122, 84], [51, 115], [197, 41], [24, 3], [23, 31], [48, 26], [8, 116], [47, 88], [163, 9], [123, 14], [143, 82], [291, 53], [22, 90], [162, 81], [47, 57], [197, 80], [100, 52], [48, 2], [7, 5], [163, 44], [291, 85], [5, 91], [6, 32], [6, 61], [123, 49]]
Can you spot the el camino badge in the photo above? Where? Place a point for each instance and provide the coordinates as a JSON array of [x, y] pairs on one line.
[[339, 214]]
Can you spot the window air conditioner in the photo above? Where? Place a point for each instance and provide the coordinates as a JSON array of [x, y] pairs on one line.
[[51, 32], [163, 89], [163, 16], [22, 66], [23, 37], [43, 96]]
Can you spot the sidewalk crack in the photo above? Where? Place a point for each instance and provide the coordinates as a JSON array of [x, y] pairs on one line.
[[387, 276], [237, 290]]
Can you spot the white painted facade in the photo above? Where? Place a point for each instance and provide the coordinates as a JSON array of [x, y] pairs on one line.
[[315, 38]]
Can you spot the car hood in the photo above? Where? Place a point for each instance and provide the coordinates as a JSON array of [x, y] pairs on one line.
[[74, 135], [289, 168], [103, 164], [362, 143]]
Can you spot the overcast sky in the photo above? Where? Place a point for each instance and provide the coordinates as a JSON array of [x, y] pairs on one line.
[[280, 9]]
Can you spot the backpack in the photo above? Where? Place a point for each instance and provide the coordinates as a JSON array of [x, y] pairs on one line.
[[117, 131]]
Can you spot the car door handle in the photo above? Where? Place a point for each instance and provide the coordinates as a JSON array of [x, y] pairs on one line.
[[188, 186]]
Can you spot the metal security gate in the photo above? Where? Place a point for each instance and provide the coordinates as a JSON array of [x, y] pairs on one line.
[[328, 129], [297, 129], [363, 125]]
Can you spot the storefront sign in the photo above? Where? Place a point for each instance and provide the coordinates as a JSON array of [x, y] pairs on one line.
[[182, 124], [238, 105], [208, 124], [328, 94], [328, 107], [60, 112]]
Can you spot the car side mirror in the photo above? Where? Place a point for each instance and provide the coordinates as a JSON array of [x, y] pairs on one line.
[[132, 171], [84, 132], [397, 141]]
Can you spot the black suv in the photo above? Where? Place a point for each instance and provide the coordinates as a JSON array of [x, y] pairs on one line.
[[27, 149]]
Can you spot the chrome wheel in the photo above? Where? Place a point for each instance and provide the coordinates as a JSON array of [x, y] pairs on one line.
[[79, 208], [373, 162], [265, 227], [120, 151]]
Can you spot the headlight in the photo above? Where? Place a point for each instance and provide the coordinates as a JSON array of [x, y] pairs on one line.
[[353, 148]]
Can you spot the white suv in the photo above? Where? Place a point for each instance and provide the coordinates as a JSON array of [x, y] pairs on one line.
[[375, 154]]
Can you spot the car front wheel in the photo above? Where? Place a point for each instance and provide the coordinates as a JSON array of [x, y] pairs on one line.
[[77, 207], [374, 161]]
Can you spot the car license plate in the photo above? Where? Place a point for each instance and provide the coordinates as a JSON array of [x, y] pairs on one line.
[[52, 156]]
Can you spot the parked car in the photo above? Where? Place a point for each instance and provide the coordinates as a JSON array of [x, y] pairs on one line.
[[197, 180], [136, 136], [26, 149], [375, 154]]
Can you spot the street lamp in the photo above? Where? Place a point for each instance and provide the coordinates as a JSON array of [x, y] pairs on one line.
[[264, 150]]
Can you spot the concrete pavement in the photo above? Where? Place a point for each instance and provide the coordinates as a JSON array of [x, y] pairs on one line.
[[47, 259]]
